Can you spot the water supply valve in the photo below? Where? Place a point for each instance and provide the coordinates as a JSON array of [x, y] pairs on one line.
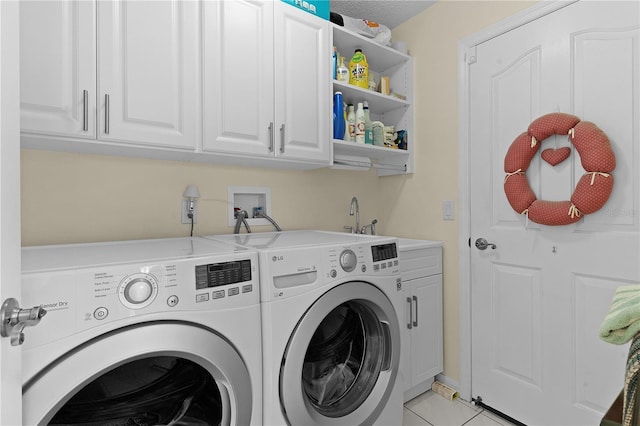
[[14, 320]]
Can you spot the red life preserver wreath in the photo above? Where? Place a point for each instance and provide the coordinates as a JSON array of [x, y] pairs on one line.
[[593, 188]]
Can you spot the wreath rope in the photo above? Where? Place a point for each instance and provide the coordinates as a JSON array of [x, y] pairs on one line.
[[596, 156]]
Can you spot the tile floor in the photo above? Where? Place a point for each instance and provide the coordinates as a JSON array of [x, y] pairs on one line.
[[431, 409]]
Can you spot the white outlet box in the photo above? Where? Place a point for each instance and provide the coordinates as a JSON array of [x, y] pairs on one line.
[[246, 198]]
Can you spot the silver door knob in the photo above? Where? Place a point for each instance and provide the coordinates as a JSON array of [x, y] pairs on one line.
[[482, 244]]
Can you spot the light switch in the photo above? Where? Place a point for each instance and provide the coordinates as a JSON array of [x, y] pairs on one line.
[[448, 210]]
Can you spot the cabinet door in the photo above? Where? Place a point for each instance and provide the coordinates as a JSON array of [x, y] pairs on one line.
[[303, 85], [238, 77], [148, 72], [426, 334], [57, 68]]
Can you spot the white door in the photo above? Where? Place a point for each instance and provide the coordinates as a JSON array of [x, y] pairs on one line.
[[539, 297], [58, 68], [238, 77], [148, 72], [10, 359], [303, 85]]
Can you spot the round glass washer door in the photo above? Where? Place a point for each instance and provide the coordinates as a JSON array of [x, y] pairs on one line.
[[153, 373], [341, 362]]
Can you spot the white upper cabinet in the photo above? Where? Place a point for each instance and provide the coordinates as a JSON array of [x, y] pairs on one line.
[[139, 87], [238, 77], [58, 68], [266, 79], [148, 72]]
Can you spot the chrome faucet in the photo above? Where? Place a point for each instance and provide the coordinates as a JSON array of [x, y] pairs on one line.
[[241, 218], [354, 209], [371, 226]]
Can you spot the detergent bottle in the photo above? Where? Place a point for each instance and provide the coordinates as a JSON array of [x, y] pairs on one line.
[[359, 70]]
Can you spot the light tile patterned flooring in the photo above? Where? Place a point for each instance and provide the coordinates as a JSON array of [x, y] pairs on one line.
[[431, 409]]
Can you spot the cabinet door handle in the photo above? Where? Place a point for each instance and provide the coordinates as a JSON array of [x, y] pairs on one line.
[[106, 114], [282, 139], [85, 110], [410, 313], [271, 137], [415, 299]]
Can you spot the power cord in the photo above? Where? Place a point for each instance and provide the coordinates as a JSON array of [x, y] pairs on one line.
[[190, 216]]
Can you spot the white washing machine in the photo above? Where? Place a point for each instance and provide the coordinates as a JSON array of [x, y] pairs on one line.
[[160, 331], [331, 339]]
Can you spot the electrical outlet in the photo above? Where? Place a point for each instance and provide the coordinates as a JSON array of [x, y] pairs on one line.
[[185, 212]]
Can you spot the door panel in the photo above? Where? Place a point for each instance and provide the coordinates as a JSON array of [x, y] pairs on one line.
[[303, 85], [238, 77], [538, 299], [149, 69], [58, 67]]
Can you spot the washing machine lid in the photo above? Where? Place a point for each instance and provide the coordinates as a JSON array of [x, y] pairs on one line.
[[68, 256], [294, 239], [49, 391]]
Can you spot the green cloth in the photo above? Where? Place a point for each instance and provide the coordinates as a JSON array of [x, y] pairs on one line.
[[623, 320]]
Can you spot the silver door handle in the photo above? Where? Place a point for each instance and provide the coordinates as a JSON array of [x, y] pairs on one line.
[[415, 299], [482, 244], [282, 139], [271, 137], [409, 326], [106, 114], [85, 110]]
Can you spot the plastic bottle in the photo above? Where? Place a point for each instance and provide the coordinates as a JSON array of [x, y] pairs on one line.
[[360, 123], [342, 72], [338, 116], [359, 70], [368, 128], [350, 135], [335, 62]]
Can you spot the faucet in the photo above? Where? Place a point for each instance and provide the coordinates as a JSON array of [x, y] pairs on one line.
[[371, 226], [354, 209], [241, 218]]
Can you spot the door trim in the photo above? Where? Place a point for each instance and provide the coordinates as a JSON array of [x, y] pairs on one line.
[[466, 52]]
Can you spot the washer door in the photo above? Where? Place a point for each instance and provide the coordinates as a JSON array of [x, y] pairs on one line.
[[341, 361], [155, 373]]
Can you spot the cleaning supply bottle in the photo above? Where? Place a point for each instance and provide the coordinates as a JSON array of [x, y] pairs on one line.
[[359, 70], [368, 128], [338, 116], [342, 72], [360, 123], [350, 134], [334, 66]]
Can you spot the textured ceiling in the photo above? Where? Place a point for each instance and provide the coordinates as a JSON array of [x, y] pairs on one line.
[[387, 12]]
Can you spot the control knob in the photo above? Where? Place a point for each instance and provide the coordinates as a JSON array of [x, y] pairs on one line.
[[348, 260], [138, 290]]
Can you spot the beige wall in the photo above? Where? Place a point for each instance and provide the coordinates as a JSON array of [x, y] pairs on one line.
[[69, 198], [412, 205], [79, 198]]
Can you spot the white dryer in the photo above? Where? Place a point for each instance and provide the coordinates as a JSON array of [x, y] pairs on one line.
[[331, 339], [160, 331]]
